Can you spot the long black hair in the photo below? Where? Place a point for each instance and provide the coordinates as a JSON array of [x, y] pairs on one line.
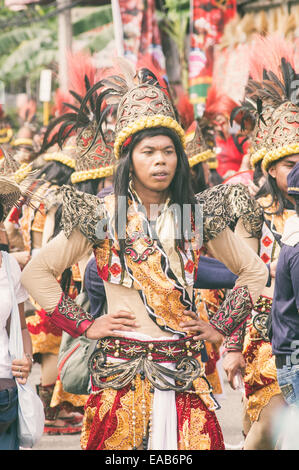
[[278, 197], [198, 178], [180, 189], [257, 175], [56, 173], [89, 186]]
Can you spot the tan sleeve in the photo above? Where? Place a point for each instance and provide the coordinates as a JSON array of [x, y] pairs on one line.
[[40, 274], [239, 258], [251, 241]]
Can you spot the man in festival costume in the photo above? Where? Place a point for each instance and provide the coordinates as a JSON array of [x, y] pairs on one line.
[[148, 385], [277, 144]]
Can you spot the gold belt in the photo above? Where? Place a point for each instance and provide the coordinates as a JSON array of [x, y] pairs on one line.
[[144, 358]]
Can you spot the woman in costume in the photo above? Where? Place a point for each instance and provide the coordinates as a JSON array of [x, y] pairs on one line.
[[17, 369], [148, 385], [275, 140]]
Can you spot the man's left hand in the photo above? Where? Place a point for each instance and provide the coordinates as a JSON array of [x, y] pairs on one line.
[[201, 329]]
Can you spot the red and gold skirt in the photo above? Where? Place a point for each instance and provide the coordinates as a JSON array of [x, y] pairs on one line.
[[260, 374], [121, 418]]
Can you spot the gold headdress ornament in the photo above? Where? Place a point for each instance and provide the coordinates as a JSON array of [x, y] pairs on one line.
[[12, 187], [197, 149], [272, 85], [94, 157], [142, 103], [6, 134]]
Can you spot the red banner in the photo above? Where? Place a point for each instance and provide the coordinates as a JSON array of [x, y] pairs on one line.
[[141, 31], [208, 20]]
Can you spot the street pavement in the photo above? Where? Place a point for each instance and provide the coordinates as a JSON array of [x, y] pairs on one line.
[[229, 416]]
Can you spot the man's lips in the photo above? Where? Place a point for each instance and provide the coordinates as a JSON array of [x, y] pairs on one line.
[[160, 174]]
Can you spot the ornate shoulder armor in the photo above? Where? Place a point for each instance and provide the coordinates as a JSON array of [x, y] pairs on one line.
[[81, 210], [223, 205]]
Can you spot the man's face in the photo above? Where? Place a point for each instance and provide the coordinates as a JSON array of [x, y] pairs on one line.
[[281, 169], [154, 162]]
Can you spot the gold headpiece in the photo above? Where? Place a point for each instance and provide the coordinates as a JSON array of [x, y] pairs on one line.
[[11, 189], [283, 134], [197, 149], [6, 134], [144, 106], [142, 103], [93, 155], [95, 159], [273, 81], [258, 138]]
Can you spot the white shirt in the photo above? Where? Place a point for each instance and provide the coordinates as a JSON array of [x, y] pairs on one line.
[[5, 310]]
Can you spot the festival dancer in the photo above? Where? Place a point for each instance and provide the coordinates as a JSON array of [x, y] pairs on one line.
[[148, 385], [278, 147]]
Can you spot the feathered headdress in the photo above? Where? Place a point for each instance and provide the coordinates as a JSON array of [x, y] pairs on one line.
[[271, 92], [12, 186], [141, 103], [93, 154]]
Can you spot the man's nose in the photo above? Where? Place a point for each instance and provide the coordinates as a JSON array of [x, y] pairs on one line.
[[159, 157]]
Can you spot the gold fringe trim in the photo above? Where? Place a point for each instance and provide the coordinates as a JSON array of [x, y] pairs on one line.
[[22, 172], [281, 152], [93, 174], [293, 189], [200, 157], [8, 133], [60, 157], [147, 122], [17, 142], [213, 165], [257, 156]]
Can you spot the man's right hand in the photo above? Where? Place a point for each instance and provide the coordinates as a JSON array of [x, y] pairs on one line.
[[233, 362], [107, 325]]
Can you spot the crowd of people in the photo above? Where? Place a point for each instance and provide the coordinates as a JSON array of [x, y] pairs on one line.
[[169, 243]]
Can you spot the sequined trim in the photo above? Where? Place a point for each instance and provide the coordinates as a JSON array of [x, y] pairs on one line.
[[158, 351], [233, 312]]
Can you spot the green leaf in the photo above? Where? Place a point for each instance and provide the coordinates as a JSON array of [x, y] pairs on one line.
[[98, 18], [100, 41]]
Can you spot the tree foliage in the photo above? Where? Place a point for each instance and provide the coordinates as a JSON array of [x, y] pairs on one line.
[[28, 48]]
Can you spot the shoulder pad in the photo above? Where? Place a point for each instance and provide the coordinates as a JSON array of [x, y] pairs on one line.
[[81, 210], [224, 204]]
